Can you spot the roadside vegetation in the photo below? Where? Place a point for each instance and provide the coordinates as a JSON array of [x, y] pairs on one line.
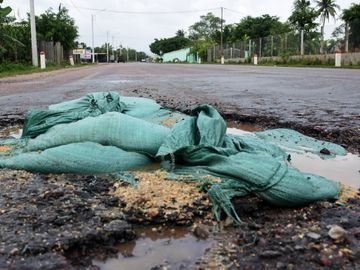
[[306, 16], [51, 26], [10, 69]]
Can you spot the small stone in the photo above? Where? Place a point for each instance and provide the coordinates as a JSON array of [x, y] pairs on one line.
[[313, 235], [270, 254], [262, 242], [201, 231], [299, 247], [337, 233], [280, 265], [14, 251], [154, 229]]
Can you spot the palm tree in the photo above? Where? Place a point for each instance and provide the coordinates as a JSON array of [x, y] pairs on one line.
[[326, 8]]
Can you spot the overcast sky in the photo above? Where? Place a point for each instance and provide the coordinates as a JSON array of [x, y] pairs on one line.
[[139, 30]]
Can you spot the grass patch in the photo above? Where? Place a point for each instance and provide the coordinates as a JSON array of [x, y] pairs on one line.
[[11, 69]]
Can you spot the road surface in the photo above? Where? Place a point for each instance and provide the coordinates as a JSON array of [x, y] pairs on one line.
[[327, 99]]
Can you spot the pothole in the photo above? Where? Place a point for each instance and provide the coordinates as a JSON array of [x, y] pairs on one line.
[[158, 248]]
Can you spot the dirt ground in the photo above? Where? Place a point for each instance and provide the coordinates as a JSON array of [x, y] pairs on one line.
[[62, 221]]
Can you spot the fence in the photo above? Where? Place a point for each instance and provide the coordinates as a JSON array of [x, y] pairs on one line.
[[284, 45], [54, 51]]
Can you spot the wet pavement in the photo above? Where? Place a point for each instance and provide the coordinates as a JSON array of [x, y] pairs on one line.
[[320, 102]]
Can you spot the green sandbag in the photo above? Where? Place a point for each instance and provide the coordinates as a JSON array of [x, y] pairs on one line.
[[117, 129], [200, 146], [80, 158], [38, 121]]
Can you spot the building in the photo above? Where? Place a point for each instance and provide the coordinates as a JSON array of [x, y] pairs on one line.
[[183, 55]]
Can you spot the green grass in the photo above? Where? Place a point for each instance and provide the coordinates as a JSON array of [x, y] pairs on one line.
[[11, 69]]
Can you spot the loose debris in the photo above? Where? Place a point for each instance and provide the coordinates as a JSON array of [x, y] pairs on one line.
[[42, 218], [157, 200], [278, 238]]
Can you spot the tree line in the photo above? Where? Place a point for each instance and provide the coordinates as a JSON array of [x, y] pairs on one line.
[[52, 25], [304, 17]]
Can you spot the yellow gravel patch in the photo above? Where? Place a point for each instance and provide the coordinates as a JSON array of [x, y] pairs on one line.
[[158, 198]]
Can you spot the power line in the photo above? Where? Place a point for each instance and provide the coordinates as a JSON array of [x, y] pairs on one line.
[[147, 12], [235, 11]]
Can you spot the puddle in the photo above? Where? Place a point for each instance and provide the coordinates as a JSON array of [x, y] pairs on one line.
[[176, 248], [345, 169], [14, 132], [242, 127]]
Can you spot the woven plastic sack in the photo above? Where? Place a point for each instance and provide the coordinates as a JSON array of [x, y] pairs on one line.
[[196, 145], [116, 129], [79, 158], [199, 144], [38, 121]]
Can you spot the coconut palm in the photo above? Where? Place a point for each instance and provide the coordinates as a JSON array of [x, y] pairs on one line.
[[326, 8]]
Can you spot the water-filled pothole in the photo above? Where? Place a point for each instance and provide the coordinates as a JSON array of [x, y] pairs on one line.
[[344, 169], [176, 247]]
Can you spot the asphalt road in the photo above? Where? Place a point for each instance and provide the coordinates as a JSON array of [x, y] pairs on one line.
[[325, 97]]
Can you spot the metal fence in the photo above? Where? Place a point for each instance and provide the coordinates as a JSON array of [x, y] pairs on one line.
[[293, 43]]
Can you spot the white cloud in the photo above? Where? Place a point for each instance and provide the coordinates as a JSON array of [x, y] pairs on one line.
[[139, 30]]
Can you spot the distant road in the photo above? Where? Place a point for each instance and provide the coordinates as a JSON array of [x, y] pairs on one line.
[[326, 97]]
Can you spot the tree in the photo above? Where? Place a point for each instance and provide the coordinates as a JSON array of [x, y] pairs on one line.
[[255, 27], [57, 27], [352, 17], [103, 48], [160, 46], [326, 8], [303, 16], [206, 28], [11, 35], [180, 33]]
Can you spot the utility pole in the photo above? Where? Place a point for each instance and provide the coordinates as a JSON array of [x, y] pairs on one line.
[[127, 54], [346, 37], [302, 42], [113, 52], [221, 37], [34, 51], [135, 56], [107, 46], [92, 38]]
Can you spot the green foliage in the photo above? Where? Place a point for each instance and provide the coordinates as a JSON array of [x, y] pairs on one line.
[[326, 9], [57, 27], [12, 37], [164, 45], [201, 47], [103, 48], [255, 27], [206, 28], [4, 11], [352, 17], [303, 16]]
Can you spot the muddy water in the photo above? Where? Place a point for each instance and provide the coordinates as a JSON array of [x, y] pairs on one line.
[[344, 169], [175, 247], [242, 127]]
